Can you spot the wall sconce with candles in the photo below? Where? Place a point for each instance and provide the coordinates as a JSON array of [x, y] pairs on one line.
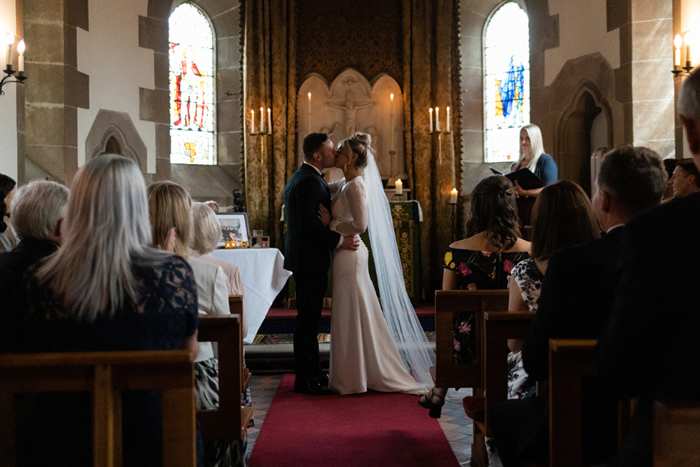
[[435, 129], [678, 42], [9, 71], [262, 131]]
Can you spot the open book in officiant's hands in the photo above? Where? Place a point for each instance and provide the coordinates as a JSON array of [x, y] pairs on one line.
[[525, 178]]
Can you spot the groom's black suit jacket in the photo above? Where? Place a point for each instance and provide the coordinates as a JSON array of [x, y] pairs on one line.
[[308, 243]]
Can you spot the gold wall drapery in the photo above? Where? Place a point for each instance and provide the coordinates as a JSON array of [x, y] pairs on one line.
[[430, 158], [270, 81]]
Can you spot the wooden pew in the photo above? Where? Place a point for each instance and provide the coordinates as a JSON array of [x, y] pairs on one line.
[[676, 433], [230, 420], [499, 327], [448, 303], [570, 360], [105, 375]]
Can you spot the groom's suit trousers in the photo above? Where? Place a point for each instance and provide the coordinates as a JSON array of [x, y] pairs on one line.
[[310, 288]]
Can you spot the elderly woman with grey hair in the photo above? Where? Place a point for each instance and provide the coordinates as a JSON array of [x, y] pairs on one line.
[[206, 231], [38, 210]]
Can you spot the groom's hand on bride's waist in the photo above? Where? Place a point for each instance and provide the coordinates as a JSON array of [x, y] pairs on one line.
[[351, 242]]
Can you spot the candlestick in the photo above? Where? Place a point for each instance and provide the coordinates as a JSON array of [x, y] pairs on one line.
[[453, 196], [437, 118], [309, 112], [448, 119], [269, 121], [8, 52], [677, 42], [431, 119], [20, 50], [252, 121], [399, 187]]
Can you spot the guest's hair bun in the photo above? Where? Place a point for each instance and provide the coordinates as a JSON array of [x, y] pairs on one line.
[[360, 144]]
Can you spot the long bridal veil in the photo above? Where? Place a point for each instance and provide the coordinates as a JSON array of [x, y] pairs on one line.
[[401, 318]]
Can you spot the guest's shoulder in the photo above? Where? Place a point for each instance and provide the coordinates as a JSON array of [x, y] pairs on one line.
[[665, 222]]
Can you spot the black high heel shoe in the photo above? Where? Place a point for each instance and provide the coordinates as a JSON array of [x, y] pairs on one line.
[[426, 401]]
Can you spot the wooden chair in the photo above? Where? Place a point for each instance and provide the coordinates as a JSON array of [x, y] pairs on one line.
[[571, 360], [230, 420], [106, 375], [448, 303], [676, 433]]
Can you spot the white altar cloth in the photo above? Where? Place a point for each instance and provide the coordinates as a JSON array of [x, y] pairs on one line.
[[263, 276]]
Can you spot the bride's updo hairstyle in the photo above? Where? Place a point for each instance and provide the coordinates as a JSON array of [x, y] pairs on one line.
[[360, 144], [494, 212]]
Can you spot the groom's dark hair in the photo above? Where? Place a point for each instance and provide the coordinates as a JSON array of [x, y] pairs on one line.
[[313, 143]]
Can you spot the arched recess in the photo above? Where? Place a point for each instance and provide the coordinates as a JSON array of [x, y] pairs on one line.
[[115, 130], [575, 135]]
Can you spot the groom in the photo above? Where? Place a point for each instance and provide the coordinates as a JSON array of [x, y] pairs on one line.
[[307, 250]]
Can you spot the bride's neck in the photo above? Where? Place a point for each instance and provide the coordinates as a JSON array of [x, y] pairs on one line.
[[350, 173]]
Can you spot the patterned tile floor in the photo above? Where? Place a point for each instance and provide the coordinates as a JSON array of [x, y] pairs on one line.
[[455, 424]]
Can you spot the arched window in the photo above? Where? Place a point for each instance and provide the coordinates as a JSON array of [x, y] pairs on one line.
[[192, 111], [506, 82]]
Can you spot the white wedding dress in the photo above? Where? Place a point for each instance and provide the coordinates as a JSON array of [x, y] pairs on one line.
[[363, 354]]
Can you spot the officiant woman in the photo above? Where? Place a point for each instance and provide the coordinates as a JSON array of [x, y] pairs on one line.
[[532, 157]]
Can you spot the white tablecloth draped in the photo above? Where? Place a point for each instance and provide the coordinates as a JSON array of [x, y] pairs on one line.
[[263, 276]]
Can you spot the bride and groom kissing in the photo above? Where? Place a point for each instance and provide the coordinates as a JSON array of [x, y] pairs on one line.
[[371, 348]]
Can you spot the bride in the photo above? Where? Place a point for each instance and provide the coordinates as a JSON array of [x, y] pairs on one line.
[[370, 349]]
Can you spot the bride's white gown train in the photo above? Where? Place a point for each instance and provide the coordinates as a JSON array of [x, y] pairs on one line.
[[363, 354]]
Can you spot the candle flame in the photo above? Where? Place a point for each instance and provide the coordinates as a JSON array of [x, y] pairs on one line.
[[20, 47], [10, 38], [448, 109], [268, 110], [431, 110], [678, 41], [309, 96], [689, 38], [437, 109], [261, 109], [392, 98]]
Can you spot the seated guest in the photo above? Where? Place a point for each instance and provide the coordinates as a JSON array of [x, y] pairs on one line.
[[482, 261], [562, 217], [670, 165], [206, 232], [38, 208], [213, 205], [575, 303], [685, 179], [169, 207], [650, 346], [105, 289], [8, 188]]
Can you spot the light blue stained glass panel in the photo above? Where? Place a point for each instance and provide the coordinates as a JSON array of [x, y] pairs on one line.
[[192, 109], [506, 82]]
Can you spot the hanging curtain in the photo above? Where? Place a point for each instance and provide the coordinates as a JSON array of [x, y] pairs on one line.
[[429, 61], [270, 81]]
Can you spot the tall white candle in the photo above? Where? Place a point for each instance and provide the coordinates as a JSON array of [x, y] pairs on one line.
[[309, 112], [391, 127], [252, 121], [262, 120], [8, 52], [688, 40], [453, 196], [269, 121], [431, 119], [448, 120], [399, 187], [437, 119], [677, 42], [20, 50]]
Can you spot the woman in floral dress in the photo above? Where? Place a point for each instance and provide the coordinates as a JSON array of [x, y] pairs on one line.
[[483, 260]]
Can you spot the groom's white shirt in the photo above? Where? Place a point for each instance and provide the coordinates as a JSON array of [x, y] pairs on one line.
[[340, 242]]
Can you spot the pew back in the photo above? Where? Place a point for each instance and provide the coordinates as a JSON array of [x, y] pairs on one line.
[[448, 305], [105, 375], [676, 433]]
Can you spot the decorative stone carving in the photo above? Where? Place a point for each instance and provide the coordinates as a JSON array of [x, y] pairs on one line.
[[352, 104], [115, 126]]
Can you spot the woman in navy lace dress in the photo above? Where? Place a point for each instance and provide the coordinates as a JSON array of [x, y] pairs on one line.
[[105, 289], [483, 260]]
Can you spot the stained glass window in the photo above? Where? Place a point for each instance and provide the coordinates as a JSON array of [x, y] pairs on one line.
[[506, 82], [192, 111]]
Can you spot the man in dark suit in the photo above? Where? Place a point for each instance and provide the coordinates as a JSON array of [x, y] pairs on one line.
[[575, 302], [308, 245], [650, 347]]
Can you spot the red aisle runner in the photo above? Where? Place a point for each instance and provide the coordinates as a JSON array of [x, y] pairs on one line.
[[372, 429]]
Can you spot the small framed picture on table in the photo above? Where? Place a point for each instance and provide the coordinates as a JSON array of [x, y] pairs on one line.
[[234, 228], [260, 242]]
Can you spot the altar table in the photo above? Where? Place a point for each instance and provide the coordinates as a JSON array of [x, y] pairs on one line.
[[263, 277]]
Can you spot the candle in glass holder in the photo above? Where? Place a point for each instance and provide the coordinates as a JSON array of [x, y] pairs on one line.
[[437, 119], [431, 119], [453, 196], [399, 187]]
